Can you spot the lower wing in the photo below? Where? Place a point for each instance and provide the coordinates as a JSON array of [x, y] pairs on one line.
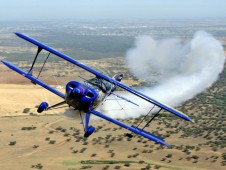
[[33, 79], [132, 128]]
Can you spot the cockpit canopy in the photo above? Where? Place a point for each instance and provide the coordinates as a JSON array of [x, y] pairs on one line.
[[101, 84]]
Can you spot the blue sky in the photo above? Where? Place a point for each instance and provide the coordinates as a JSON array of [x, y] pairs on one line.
[[23, 10]]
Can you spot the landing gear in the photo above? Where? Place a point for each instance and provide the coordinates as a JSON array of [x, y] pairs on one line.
[[43, 106], [89, 131]]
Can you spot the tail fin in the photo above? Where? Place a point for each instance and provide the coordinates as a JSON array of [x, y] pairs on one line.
[[118, 77]]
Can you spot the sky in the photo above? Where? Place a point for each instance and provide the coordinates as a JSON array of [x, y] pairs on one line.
[[29, 10]]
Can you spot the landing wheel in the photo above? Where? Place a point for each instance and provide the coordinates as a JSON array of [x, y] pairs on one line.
[[89, 131], [43, 106], [86, 135]]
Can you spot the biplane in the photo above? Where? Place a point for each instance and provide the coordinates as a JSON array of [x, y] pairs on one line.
[[86, 96]]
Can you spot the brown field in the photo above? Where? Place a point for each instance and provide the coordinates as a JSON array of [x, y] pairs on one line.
[[54, 141]]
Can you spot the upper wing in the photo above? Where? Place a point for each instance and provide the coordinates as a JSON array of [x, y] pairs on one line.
[[100, 75]]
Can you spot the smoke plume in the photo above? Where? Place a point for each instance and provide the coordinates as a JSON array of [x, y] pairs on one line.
[[174, 70]]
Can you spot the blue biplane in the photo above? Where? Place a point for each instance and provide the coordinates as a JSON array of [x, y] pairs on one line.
[[88, 95]]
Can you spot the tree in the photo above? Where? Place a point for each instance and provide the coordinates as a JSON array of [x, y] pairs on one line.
[[93, 155], [148, 166], [141, 162], [12, 143], [112, 155], [169, 156], [195, 156], [26, 110], [38, 166], [35, 146], [117, 167], [52, 142], [157, 166], [224, 156], [127, 164]]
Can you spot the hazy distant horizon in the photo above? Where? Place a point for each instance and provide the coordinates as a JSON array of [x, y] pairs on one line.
[[100, 10], [68, 20]]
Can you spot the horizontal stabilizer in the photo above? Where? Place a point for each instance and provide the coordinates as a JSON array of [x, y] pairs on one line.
[[32, 78]]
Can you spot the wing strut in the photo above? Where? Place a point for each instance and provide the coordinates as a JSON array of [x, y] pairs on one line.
[[148, 123], [145, 116], [43, 65], [38, 51], [156, 114]]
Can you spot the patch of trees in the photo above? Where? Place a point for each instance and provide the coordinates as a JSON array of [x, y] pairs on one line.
[[29, 128], [37, 166], [11, 143]]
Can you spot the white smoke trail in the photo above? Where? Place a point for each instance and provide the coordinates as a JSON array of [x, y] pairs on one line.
[[181, 69]]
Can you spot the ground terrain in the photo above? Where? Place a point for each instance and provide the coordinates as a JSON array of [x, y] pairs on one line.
[[54, 140]]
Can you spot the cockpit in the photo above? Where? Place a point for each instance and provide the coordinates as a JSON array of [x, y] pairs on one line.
[[100, 84]]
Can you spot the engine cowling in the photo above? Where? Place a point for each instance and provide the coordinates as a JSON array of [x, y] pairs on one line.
[[79, 95]]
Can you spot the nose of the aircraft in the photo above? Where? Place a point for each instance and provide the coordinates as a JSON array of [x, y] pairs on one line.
[[77, 90]]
